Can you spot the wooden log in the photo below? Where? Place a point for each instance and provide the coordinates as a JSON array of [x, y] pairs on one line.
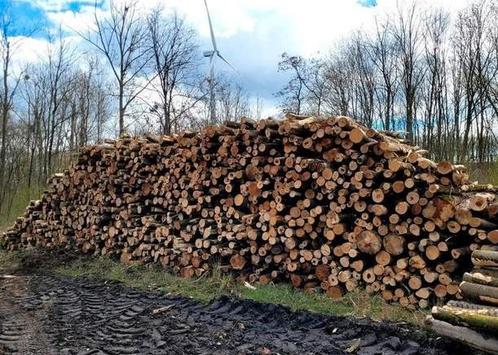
[[480, 278], [464, 335], [479, 292], [493, 236], [485, 258], [237, 262], [394, 244], [369, 242], [482, 320]]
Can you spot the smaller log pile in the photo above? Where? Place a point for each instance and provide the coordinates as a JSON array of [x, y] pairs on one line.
[[323, 202], [475, 320]]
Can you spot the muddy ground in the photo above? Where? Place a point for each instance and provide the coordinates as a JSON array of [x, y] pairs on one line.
[[46, 314]]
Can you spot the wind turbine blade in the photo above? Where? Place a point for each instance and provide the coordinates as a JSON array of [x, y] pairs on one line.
[[211, 28], [211, 64], [226, 61]]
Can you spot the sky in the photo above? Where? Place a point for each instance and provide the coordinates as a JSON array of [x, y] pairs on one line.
[[251, 34]]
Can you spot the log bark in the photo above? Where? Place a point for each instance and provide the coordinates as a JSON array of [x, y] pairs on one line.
[[478, 292], [475, 319], [464, 335]]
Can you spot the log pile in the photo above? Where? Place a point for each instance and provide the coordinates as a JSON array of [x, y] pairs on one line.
[[475, 320], [323, 202]]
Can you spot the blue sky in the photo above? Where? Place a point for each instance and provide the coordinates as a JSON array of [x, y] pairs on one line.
[[25, 17], [368, 3], [251, 34], [32, 18]]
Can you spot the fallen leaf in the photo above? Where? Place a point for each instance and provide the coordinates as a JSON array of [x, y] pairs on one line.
[[355, 344], [162, 309]]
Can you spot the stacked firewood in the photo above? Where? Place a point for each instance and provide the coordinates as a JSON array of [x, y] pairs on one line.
[[323, 202], [475, 320]]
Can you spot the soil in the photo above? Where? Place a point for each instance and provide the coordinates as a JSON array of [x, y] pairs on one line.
[[46, 314]]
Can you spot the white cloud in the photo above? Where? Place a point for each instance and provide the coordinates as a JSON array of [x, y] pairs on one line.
[[309, 27], [28, 50], [80, 21]]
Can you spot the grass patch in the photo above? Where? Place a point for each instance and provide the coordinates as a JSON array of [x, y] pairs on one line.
[[149, 278], [485, 173], [19, 195], [12, 261], [357, 303], [16, 204], [207, 288]]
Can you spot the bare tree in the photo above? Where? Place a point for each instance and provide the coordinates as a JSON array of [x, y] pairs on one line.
[[339, 80], [406, 31], [175, 60], [307, 86], [232, 100], [58, 77], [10, 83], [294, 93], [382, 51], [316, 84], [408, 75], [363, 79], [470, 43], [258, 109], [34, 96], [121, 38], [88, 101]]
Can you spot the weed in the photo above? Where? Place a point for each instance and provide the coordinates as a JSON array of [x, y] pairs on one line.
[[207, 288]]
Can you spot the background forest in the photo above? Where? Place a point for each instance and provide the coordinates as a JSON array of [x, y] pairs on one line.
[[426, 73]]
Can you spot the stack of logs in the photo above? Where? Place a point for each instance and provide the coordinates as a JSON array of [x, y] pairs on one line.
[[475, 320], [323, 202]]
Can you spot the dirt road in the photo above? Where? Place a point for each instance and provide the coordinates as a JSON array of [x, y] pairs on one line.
[[42, 314]]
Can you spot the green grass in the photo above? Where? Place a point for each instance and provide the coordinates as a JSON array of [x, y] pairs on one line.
[[11, 261], [485, 173], [357, 303], [19, 197], [20, 201], [207, 288], [148, 278]]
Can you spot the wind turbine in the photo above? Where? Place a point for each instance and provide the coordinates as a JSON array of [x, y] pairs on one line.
[[212, 54]]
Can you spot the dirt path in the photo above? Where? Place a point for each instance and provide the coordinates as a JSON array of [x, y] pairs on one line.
[[47, 314], [21, 326]]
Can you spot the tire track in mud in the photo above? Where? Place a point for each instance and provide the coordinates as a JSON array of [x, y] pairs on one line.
[[21, 324], [48, 314]]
